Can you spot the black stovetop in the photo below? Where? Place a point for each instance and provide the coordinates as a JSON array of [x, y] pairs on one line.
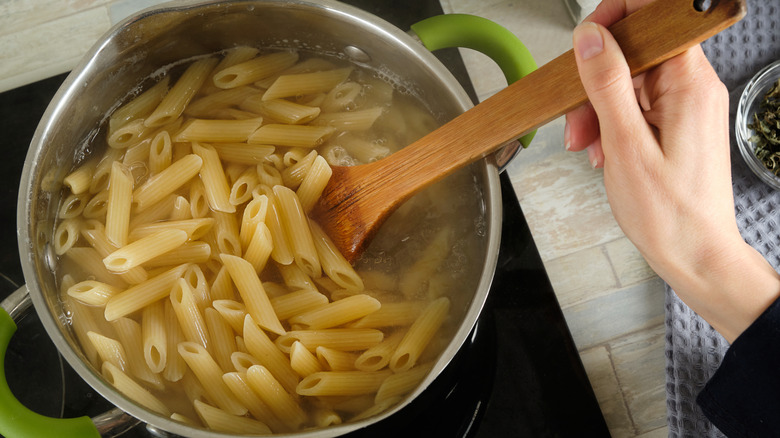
[[519, 374]]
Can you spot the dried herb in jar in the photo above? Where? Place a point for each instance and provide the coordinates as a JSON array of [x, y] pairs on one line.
[[766, 125]]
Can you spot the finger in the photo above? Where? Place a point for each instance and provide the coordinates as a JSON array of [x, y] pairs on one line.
[[596, 154], [609, 12], [582, 128], [607, 81]]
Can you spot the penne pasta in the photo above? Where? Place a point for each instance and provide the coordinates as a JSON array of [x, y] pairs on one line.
[[137, 253], [221, 420], [189, 315], [259, 345], [281, 403], [129, 334], [314, 183], [140, 106], [401, 383], [66, 235], [222, 338], [252, 293], [143, 294], [155, 338], [298, 302], [419, 335], [175, 366], [304, 136], [210, 377], [280, 110], [215, 183], [337, 312], [243, 153], [335, 360], [218, 131], [333, 263], [109, 350], [237, 382], [166, 182], [306, 83], [341, 383], [338, 339], [295, 225], [303, 361], [130, 388], [177, 98], [232, 312], [254, 69], [194, 228], [93, 293]]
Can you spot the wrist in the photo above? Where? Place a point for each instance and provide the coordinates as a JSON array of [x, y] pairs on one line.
[[729, 286]]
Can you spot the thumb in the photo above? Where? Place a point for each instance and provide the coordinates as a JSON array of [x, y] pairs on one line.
[[607, 80]]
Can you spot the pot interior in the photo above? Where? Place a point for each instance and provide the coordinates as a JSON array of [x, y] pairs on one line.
[[141, 46]]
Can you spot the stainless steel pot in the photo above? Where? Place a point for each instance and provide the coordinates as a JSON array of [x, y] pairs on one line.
[[156, 37]]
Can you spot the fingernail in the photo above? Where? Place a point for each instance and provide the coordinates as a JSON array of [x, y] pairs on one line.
[[588, 41], [566, 139]]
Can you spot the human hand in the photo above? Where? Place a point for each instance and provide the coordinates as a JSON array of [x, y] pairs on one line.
[[663, 141]]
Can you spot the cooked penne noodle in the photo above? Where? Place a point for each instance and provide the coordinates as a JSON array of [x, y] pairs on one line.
[[401, 383], [109, 350], [103, 170], [222, 337], [73, 205], [160, 152], [400, 314], [343, 339], [189, 252], [359, 120], [177, 98], [137, 156], [241, 190], [280, 110], [218, 131], [254, 69], [130, 388], [144, 249], [296, 229], [306, 83], [97, 206], [419, 335], [196, 279], [155, 343], [66, 235], [195, 228], [305, 136], [243, 152], [325, 417], [212, 174], [128, 135], [93, 293], [222, 285], [294, 277], [78, 180], [222, 421], [337, 312], [181, 209], [259, 345], [298, 302], [335, 360], [252, 293], [415, 278], [94, 232], [377, 408], [281, 403], [222, 99], [175, 366], [120, 193], [242, 361], [129, 334], [314, 183], [189, 315], [255, 212], [160, 210], [268, 174], [185, 420], [210, 376], [237, 383], [143, 294], [226, 233], [378, 356], [363, 150], [342, 97], [140, 106], [237, 55], [293, 174], [303, 361], [305, 66], [166, 182], [333, 263], [260, 246], [88, 260], [329, 383], [233, 312], [199, 205]]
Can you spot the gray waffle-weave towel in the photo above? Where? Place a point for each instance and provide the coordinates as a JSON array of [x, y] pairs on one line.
[[693, 349]]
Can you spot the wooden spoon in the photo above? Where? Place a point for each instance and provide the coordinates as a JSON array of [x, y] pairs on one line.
[[358, 199]]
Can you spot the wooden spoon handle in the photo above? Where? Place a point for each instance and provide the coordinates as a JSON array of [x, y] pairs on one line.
[[649, 36]]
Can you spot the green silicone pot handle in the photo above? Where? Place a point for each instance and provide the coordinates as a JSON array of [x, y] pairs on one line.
[[18, 421], [482, 35]]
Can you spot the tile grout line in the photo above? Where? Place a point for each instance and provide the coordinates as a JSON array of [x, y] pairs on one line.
[[634, 427]]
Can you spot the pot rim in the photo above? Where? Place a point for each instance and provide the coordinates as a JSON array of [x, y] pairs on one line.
[[69, 92]]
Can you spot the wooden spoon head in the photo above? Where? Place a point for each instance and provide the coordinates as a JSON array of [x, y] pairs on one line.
[[351, 209]]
